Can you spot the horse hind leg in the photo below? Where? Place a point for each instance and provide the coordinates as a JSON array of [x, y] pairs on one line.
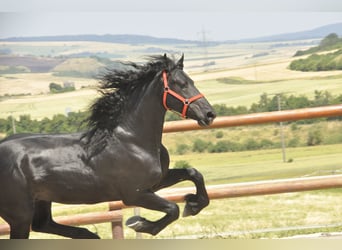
[[19, 221], [42, 222], [20, 230]]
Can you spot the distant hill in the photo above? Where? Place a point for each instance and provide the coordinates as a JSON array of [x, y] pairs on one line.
[[127, 39], [19, 64], [316, 33]]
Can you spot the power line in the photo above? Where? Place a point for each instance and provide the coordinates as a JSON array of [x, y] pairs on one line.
[[204, 45]]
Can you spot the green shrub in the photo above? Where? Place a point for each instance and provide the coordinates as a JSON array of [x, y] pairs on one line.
[[55, 88], [219, 134], [225, 146], [314, 138], [251, 144], [294, 142], [200, 145], [182, 149], [266, 143], [182, 164]]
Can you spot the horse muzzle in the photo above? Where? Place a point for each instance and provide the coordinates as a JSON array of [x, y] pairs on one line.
[[208, 120]]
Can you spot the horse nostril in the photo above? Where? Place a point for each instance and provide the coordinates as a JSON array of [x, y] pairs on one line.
[[211, 115]]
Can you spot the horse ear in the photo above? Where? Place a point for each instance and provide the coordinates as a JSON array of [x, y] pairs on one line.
[[180, 63]]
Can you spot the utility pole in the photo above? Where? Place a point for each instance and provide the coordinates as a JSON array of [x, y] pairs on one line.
[[282, 137], [282, 134], [13, 125], [205, 49]]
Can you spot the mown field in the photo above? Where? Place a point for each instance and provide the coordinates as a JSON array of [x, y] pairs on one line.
[[249, 217], [28, 93], [46, 105]]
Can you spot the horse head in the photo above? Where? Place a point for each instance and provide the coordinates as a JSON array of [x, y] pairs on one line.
[[181, 95]]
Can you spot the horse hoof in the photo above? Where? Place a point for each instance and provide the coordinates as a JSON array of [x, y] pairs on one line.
[[134, 221], [192, 205], [141, 225], [190, 210], [137, 223]]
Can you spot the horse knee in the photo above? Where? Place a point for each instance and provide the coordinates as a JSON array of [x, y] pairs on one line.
[[172, 210], [194, 174]]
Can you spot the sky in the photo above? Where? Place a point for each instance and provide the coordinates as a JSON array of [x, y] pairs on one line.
[[182, 19]]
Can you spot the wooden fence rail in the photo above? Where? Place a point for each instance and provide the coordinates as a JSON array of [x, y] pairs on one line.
[[257, 118], [250, 189], [114, 215]]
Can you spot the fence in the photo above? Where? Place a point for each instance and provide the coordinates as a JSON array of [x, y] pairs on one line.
[[114, 214], [257, 118]]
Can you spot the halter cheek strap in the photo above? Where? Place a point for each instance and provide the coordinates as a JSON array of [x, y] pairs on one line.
[[186, 101]]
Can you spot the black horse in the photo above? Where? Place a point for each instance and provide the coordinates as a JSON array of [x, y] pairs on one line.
[[120, 157]]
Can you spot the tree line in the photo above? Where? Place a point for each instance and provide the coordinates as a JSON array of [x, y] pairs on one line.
[[330, 42], [314, 137], [321, 62], [76, 121], [315, 62]]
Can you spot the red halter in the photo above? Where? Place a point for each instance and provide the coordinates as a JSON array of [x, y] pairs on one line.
[[186, 102]]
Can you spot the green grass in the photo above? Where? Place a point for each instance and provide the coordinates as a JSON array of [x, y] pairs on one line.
[[246, 94], [248, 217], [265, 164], [47, 105], [244, 217]]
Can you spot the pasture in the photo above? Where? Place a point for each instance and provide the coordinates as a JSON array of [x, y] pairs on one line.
[[249, 217], [271, 216]]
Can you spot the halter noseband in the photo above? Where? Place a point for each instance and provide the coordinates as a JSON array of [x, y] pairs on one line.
[[186, 102]]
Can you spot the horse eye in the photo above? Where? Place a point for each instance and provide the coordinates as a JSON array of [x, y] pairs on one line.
[[183, 84]]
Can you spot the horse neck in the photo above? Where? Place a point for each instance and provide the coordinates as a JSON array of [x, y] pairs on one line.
[[144, 115]]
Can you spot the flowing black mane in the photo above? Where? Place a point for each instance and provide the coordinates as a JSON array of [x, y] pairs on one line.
[[120, 157], [116, 87]]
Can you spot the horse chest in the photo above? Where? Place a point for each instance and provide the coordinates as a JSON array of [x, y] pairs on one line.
[[132, 166]]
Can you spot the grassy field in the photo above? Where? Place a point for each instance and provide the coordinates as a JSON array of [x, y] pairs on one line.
[[47, 105], [249, 217]]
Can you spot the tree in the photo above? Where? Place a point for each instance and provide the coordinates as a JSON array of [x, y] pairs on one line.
[[322, 98], [55, 88], [329, 40]]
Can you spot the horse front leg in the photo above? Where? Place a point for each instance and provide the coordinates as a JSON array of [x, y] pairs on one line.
[[149, 200], [194, 203]]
